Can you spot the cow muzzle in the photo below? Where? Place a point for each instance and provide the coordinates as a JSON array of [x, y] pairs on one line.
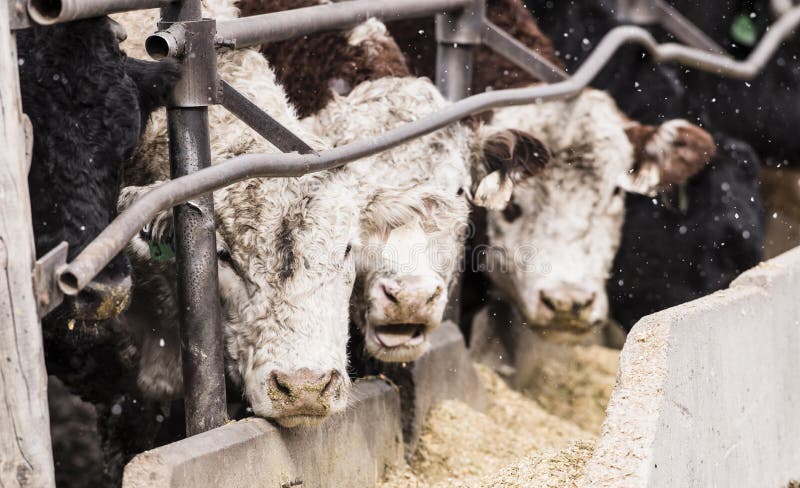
[[305, 396], [564, 307], [402, 312], [103, 298]]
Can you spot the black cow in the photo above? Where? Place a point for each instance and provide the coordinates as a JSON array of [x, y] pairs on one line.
[[694, 239], [88, 105], [764, 111]]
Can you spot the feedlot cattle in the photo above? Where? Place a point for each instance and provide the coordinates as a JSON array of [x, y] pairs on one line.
[[88, 104], [354, 85], [550, 251], [673, 252], [285, 265]]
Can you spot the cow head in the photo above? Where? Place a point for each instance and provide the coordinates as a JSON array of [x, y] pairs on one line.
[[551, 248], [415, 210], [286, 271], [286, 265], [85, 127]]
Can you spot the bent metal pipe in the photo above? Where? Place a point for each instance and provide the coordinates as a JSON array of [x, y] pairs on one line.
[[75, 275]]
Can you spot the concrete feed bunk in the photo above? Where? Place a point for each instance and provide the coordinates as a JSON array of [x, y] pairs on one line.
[[704, 396], [707, 391]]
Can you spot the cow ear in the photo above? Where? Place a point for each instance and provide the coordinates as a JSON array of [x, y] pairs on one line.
[[668, 154], [507, 158], [494, 191]]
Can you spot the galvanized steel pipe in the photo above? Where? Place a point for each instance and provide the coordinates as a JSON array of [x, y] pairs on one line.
[[113, 239], [280, 26], [47, 12]]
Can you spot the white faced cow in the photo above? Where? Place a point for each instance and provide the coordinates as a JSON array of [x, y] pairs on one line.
[[286, 269], [552, 247], [355, 85], [550, 250]]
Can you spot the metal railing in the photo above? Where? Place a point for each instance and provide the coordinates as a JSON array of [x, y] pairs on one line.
[[461, 25], [110, 242]]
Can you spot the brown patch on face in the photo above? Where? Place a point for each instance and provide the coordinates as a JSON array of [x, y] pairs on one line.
[[308, 67], [515, 153], [417, 40], [639, 135], [285, 242]]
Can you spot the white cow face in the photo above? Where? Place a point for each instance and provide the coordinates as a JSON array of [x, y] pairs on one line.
[[413, 216], [286, 272], [551, 249], [416, 209]]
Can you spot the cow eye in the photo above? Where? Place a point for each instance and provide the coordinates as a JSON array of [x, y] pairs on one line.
[[460, 192], [347, 250], [224, 256], [512, 212]]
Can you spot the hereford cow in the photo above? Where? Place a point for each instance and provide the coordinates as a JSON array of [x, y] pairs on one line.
[[693, 239], [285, 265], [550, 250], [354, 85]]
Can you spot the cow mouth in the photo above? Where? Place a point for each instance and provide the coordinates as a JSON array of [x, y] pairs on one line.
[[392, 336], [292, 421]]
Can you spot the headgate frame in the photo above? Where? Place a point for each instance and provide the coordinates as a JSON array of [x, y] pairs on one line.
[[460, 26]]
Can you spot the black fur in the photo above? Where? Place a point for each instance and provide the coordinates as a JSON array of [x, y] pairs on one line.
[[668, 257], [88, 105]]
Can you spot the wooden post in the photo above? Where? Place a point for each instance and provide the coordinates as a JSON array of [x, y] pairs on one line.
[[26, 458]]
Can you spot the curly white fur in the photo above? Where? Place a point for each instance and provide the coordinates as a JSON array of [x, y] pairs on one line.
[[272, 322], [572, 215]]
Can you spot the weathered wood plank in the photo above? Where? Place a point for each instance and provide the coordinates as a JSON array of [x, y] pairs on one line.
[[26, 458]]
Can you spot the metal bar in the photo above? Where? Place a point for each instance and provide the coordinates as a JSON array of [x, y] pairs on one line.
[[114, 238], [47, 12], [261, 122], [195, 235], [683, 29], [529, 60], [457, 35], [280, 26], [780, 7], [661, 13], [452, 80]]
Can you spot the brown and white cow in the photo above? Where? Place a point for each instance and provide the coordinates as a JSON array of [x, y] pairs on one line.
[[286, 269], [551, 248], [354, 85]]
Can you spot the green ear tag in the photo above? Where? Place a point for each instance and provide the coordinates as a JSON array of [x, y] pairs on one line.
[[161, 251], [743, 30]]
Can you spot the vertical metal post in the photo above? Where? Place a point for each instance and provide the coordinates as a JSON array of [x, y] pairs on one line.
[[196, 251], [26, 458], [457, 34]]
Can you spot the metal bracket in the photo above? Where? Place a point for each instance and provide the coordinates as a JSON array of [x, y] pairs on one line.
[[261, 122], [461, 26], [18, 15], [644, 12], [518, 53], [193, 43], [45, 281]]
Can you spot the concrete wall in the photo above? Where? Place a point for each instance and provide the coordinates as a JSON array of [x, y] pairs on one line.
[[351, 449], [707, 393]]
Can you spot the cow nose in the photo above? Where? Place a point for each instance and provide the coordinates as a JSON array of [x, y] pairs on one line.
[[567, 300], [411, 290], [104, 297], [304, 391]]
